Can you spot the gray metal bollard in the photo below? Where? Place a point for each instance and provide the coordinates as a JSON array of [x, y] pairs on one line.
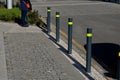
[[48, 19], [118, 74], [89, 49], [57, 26], [70, 24]]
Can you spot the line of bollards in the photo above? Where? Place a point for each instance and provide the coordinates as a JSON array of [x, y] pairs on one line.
[[89, 36], [70, 26]]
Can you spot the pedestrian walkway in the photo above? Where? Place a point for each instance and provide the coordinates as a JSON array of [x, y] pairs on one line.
[[28, 54]]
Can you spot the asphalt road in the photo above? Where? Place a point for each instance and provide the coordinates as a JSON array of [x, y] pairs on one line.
[[102, 17]]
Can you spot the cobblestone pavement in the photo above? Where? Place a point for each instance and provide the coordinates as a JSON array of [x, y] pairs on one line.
[[31, 56]]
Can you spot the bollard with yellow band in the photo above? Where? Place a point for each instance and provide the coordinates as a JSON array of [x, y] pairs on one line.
[[48, 19], [89, 49], [118, 73], [70, 24], [57, 26]]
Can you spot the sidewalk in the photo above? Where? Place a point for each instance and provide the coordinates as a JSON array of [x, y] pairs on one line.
[[30, 55]]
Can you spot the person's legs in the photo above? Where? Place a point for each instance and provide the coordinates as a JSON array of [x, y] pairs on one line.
[[23, 18]]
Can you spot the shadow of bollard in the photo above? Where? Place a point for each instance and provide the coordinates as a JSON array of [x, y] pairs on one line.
[[106, 54]]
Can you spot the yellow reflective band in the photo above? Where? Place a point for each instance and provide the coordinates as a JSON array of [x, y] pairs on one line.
[[70, 23], [57, 15], [119, 54], [49, 10], [89, 34]]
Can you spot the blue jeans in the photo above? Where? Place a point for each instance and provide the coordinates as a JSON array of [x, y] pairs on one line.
[[23, 18]]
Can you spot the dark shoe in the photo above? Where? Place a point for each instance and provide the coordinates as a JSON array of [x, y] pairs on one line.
[[26, 25]]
